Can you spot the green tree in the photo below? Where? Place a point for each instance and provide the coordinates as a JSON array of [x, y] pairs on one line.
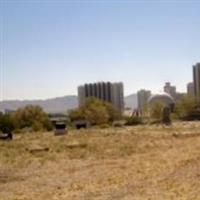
[[6, 123], [185, 106], [133, 120], [31, 116], [113, 113], [76, 114], [96, 114], [95, 111]]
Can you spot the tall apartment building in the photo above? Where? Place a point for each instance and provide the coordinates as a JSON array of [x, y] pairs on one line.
[[168, 88], [190, 89], [106, 91], [196, 81], [143, 96]]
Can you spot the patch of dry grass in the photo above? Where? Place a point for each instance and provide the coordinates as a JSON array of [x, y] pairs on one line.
[[141, 162]]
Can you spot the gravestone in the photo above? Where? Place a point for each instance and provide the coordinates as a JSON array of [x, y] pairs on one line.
[[6, 136], [60, 128]]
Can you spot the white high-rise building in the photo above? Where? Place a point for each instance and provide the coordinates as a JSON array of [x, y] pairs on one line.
[[190, 89], [196, 81], [143, 96], [106, 91], [171, 90]]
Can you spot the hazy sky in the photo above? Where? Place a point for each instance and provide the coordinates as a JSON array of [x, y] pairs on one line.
[[48, 48]]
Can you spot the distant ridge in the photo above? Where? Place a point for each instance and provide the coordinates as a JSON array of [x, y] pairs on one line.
[[54, 105], [58, 104]]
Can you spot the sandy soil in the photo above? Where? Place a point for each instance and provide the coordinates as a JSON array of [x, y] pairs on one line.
[[131, 163]]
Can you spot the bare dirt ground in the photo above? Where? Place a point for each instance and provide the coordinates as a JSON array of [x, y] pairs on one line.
[[131, 163]]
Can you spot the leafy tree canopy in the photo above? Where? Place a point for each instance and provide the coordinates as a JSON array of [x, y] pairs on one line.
[[95, 111], [31, 116], [185, 106]]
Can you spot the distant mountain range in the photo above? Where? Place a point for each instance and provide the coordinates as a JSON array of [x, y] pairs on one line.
[[58, 104], [54, 105]]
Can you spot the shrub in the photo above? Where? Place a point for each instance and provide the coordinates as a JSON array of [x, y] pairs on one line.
[[37, 126], [118, 123], [31, 116], [113, 113], [95, 111], [104, 126], [185, 107], [76, 114], [6, 123], [133, 121]]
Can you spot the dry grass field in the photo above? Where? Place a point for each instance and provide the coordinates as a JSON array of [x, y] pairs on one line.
[[131, 163]]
